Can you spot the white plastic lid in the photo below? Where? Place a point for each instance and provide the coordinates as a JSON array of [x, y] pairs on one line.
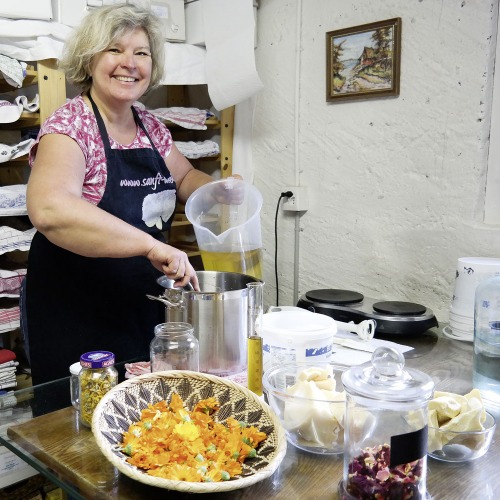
[[297, 323], [75, 368]]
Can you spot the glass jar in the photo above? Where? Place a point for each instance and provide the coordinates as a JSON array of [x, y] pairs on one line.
[[74, 371], [486, 358], [174, 348], [97, 376], [385, 434]]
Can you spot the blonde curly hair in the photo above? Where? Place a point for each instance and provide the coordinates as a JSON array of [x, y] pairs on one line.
[[100, 29]]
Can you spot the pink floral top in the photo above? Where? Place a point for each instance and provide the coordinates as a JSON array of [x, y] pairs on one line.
[[77, 121]]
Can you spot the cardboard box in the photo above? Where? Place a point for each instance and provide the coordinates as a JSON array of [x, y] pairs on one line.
[[27, 9], [170, 12], [13, 469], [195, 28]]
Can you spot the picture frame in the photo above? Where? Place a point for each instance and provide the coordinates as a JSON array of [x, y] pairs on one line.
[[364, 61]]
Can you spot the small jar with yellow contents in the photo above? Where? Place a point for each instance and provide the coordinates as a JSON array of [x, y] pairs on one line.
[[97, 376]]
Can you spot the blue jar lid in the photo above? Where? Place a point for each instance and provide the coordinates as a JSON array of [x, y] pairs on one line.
[[97, 359]]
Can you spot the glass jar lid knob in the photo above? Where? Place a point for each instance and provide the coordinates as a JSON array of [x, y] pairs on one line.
[[388, 362]]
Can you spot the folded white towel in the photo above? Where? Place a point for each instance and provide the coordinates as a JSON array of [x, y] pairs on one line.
[[12, 70], [11, 239], [11, 152], [191, 118], [11, 111], [193, 150]]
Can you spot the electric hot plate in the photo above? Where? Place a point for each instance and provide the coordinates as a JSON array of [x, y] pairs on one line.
[[392, 317]]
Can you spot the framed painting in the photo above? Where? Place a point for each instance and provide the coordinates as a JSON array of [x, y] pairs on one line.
[[363, 61]]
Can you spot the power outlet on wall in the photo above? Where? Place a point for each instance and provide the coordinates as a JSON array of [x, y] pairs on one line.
[[298, 202]]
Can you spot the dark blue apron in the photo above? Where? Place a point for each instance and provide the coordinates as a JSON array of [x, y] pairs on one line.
[[76, 304]]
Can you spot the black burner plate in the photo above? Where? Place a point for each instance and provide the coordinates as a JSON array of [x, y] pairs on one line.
[[399, 308], [335, 296], [392, 317]]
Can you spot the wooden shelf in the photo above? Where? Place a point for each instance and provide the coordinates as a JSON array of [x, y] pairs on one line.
[[210, 123], [26, 120], [180, 220], [51, 91]]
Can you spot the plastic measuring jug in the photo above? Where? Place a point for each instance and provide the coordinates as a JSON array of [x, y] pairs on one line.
[[225, 215]]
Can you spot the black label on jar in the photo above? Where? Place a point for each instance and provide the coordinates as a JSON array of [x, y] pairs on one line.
[[409, 447]]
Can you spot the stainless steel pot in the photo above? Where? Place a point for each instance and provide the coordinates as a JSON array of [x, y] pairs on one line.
[[218, 313]]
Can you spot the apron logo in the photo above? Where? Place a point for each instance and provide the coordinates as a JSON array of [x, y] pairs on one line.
[[157, 208], [147, 181]]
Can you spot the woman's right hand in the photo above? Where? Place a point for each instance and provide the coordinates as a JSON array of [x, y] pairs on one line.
[[174, 263]]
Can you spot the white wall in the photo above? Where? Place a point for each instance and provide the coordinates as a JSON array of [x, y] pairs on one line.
[[397, 185]]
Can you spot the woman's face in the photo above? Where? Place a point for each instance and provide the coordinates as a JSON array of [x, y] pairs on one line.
[[123, 71]]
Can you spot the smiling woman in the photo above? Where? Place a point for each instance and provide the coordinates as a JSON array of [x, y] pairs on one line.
[[105, 180]]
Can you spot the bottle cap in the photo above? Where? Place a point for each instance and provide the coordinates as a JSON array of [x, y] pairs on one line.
[[75, 368], [97, 359]]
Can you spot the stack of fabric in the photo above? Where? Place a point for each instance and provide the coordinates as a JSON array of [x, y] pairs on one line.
[[8, 367]]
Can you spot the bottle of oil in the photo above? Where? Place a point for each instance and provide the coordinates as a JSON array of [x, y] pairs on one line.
[[254, 342]]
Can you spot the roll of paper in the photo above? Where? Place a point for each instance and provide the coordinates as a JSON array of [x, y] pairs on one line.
[[230, 59]]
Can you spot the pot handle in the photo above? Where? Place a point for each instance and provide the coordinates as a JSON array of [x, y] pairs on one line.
[[165, 301]]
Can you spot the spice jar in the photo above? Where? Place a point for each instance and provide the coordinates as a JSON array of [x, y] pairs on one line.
[[385, 434], [97, 376], [174, 348]]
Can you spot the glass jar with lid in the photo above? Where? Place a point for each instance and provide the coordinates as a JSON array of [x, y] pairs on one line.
[[174, 347], [74, 384], [97, 376], [385, 434]]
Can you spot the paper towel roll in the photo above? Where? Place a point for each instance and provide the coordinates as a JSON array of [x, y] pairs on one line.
[[184, 64], [230, 59]]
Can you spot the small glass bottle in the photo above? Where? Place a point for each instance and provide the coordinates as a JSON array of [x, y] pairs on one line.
[[97, 376], [74, 385], [486, 358], [174, 348]]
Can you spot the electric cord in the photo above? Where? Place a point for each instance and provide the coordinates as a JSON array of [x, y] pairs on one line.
[[286, 194]]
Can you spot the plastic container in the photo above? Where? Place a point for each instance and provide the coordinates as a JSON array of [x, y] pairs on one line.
[[385, 430], [486, 358], [74, 371], [225, 215], [174, 348], [97, 376], [290, 336], [471, 271]]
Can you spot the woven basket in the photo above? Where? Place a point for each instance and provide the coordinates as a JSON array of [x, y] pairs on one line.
[[122, 406]]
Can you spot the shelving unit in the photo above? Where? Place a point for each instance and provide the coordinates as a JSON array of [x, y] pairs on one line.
[[51, 89], [182, 234]]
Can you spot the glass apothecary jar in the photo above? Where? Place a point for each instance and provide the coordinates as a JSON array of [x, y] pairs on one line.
[[174, 347], [97, 376], [385, 434]]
